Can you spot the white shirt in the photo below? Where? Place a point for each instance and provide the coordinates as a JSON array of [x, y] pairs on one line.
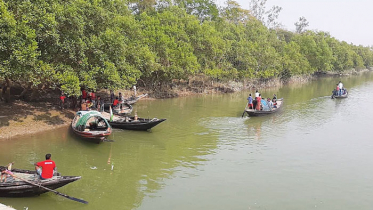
[[256, 94], [340, 85]]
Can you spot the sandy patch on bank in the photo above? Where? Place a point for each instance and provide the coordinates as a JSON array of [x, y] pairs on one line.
[[21, 118]]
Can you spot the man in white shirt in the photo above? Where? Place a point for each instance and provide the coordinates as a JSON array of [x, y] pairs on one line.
[[340, 85], [256, 94]]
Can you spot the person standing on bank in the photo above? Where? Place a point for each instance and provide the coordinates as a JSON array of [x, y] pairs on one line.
[[45, 169], [134, 90]]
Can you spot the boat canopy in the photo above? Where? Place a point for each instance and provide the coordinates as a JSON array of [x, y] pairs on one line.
[[86, 115]]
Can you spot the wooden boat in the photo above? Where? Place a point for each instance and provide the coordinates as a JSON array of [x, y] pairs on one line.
[[14, 187], [133, 99], [254, 112], [91, 125], [121, 109], [335, 95], [129, 123]]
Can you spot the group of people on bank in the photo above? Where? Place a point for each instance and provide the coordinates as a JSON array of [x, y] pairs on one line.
[[89, 100], [256, 103]]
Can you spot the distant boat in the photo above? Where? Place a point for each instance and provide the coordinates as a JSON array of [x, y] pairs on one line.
[[121, 109], [133, 99], [335, 94], [18, 188], [266, 109], [129, 123], [91, 125]]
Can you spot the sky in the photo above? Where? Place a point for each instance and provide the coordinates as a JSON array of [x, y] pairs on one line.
[[346, 20]]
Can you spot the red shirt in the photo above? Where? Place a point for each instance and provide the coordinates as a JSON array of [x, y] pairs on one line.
[[48, 167], [115, 102], [93, 96], [84, 94], [62, 98]]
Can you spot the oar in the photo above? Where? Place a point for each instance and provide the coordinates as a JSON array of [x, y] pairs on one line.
[[58, 193], [245, 109]]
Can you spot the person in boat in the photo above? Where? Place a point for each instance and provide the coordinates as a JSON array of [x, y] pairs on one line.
[[257, 94], [337, 90], [258, 102], [270, 103], [274, 97], [340, 85], [5, 172], [45, 169], [250, 102], [115, 102], [274, 103]]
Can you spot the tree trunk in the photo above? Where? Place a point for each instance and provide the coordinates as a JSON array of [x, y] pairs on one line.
[[7, 91], [24, 91], [34, 93]]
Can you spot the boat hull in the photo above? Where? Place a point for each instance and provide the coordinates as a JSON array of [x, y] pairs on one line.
[[91, 133], [256, 113], [141, 125], [24, 189]]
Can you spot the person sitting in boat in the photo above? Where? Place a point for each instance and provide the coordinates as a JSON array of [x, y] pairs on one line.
[[274, 102], [250, 102], [5, 172], [115, 102], [45, 169], [270, 103], [274, 97]]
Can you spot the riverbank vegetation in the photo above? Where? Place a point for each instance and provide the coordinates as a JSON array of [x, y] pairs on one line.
[[114, 44]]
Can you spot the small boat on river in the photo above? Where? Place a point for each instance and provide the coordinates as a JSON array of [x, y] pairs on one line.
[[91, 125], [266, 108], [133, 99], [29, 186], [130, 123], [336, 95], [121, 109]]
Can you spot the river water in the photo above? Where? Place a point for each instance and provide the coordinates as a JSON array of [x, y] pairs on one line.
[[314, 154]]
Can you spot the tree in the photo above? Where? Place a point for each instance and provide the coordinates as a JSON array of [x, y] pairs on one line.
[[301, 25], [267, 17]]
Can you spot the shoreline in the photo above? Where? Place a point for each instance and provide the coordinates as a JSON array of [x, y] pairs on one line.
[[21, 118]]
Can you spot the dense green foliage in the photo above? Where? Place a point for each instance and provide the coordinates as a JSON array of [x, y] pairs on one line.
[[69, 44]]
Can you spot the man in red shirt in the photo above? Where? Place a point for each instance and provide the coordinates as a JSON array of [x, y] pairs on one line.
[[62, 98], [48, 167], [116, 102]]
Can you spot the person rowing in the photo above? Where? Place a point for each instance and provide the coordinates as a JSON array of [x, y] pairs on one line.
[[45, 169]]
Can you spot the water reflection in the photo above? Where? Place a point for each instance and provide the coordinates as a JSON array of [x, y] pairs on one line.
[[205, 152]]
